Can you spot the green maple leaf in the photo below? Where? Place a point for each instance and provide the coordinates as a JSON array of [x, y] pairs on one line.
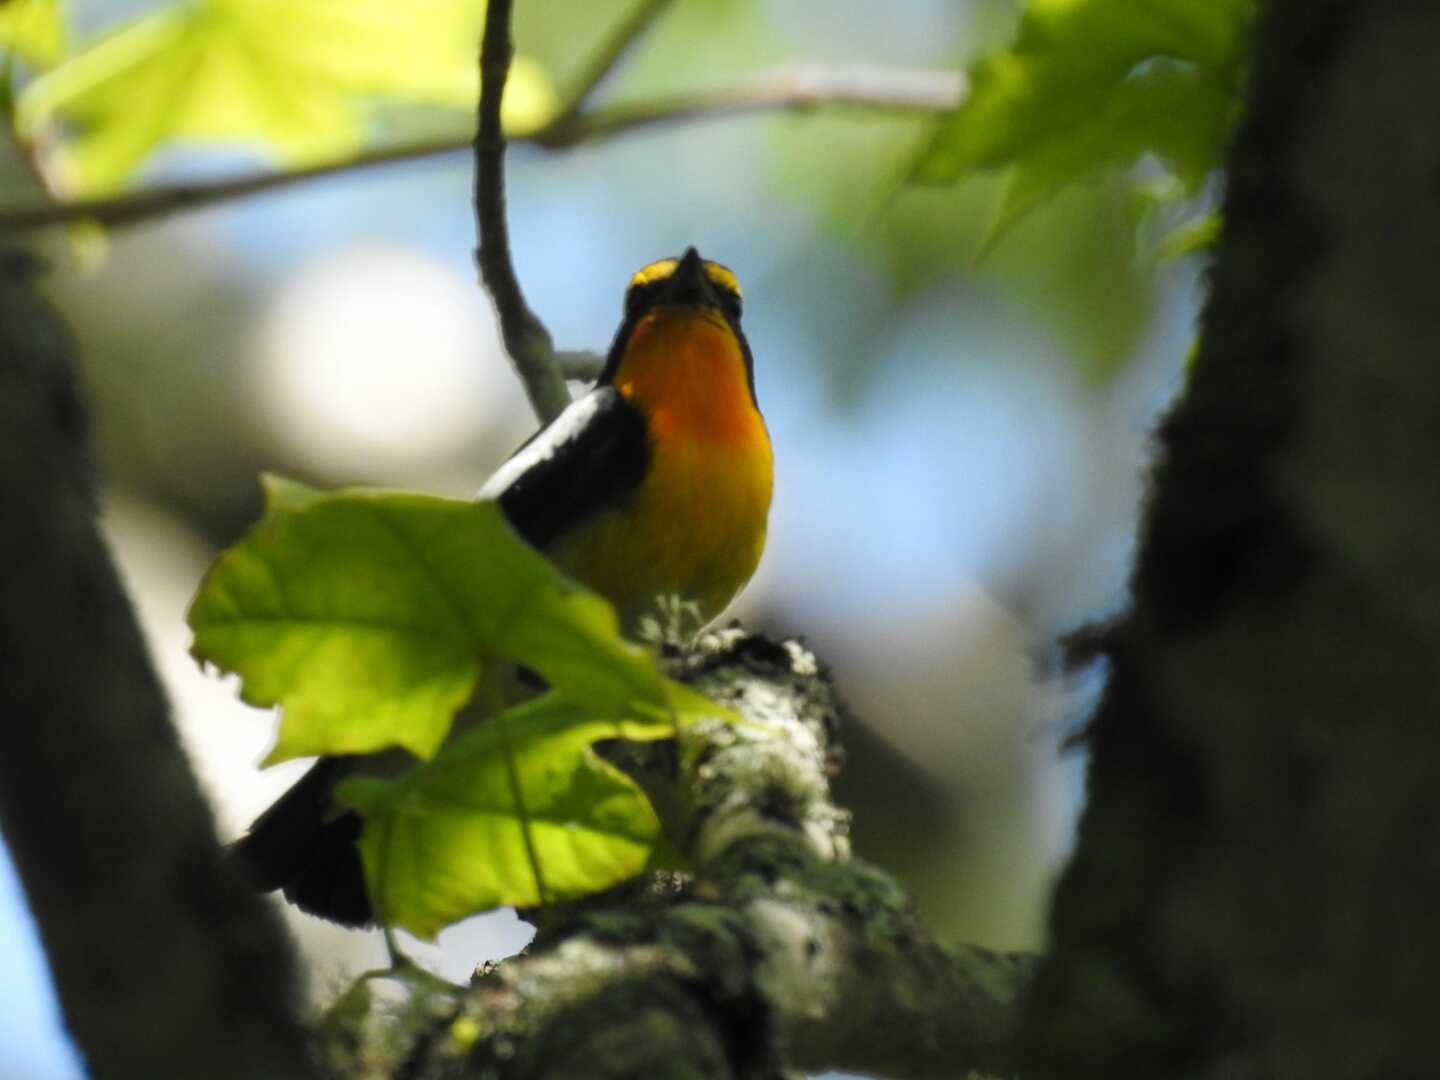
[[450, 839], [369, 617], [302, 80]]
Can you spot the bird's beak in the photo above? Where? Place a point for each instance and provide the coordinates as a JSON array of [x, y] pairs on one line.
[[689, 284]]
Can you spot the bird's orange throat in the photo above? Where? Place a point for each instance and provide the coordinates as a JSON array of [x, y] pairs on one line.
[[685, 370], [697, 527]]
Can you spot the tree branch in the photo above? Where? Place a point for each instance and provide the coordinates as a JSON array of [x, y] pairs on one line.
[[611, 52], [526, 340], [164, 966], [579, 365], [780, 953], [796, 88], [145, 204]]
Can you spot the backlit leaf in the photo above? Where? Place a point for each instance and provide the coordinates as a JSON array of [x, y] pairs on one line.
[[369, 616], [300, 80], [33, 31], [1093, 85], [447, 839]]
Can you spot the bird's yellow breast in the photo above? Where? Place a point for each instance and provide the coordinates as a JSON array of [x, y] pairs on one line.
[[695, 526]]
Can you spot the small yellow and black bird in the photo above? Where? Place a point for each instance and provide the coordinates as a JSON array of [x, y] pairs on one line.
[[656, 483]]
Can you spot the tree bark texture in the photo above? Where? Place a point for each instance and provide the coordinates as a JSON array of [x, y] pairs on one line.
[[1255, 888], [164, 966]]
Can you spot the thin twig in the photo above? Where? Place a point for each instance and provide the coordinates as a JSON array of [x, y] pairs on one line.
[[579, 365], [610, 52], [795, 88], [133, 207], [524, 335]]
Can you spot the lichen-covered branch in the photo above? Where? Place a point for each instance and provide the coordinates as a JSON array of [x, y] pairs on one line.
[[777, 952], [164, 966]]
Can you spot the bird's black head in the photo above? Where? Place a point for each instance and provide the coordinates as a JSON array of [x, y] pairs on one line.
[[687, 281]]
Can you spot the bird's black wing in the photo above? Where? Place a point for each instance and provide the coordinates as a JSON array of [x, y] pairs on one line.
[[303, 846], [591, 457]]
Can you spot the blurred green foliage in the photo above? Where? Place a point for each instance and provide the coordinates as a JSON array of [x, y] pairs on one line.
[[1086, 89], [300, 80], [34, 30], [1071, 268], [1091, 86], [1046, 141]]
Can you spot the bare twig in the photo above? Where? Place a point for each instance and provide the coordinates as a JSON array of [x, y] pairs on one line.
[[525, 337], [795, 87], [579, 365], [801, 87], [609, 54], [133, 207]]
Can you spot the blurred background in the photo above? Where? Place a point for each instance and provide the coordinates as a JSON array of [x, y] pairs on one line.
[[960, 441]]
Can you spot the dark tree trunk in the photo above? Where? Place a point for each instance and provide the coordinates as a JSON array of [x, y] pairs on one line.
[[1256, 884], [164, 968]]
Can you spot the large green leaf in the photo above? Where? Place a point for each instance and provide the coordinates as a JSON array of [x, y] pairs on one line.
[[300, 79], [449, 839], [369, 616], [33, 30], [1092, 85]]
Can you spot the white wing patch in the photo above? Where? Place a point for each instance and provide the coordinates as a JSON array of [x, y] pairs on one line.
[[561, 430]]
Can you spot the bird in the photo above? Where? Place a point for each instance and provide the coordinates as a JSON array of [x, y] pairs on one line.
[[655, 484]]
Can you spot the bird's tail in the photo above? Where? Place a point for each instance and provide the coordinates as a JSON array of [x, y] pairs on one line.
[[302, 846]]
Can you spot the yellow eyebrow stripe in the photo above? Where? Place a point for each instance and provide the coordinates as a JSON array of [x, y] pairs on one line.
[[721, 276], [656, 271]]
